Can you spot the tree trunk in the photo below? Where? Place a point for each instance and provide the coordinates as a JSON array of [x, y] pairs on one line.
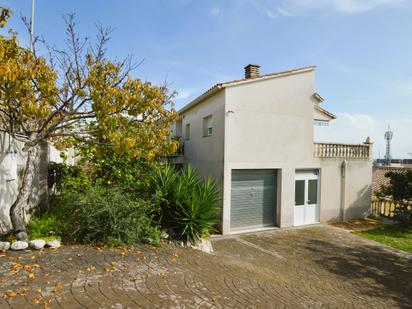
[[18, 207]]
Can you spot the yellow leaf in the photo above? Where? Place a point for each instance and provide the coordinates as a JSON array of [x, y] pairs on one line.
[[10, 293], [35, 301]]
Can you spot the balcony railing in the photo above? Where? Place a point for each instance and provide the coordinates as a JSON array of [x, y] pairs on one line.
[[349, 151]]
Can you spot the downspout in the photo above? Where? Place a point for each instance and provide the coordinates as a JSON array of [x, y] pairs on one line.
[[343, 168]]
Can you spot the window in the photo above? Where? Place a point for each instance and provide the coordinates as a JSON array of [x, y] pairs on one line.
[[187, 132], [207, 126], [299, 192]]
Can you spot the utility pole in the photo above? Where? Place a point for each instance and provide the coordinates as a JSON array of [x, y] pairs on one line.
[[32, 27]]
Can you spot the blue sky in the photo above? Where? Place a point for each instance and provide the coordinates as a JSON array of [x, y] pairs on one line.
[[362, 50]]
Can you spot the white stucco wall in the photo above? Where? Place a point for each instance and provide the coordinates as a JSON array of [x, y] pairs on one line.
[[269, 125], [347, 195], [9, 186], [206, 153]]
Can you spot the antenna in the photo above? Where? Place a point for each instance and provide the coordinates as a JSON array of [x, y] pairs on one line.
[[388, 138], [32, 27]]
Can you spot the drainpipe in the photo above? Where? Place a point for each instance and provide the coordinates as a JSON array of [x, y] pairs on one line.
[[343, 168]]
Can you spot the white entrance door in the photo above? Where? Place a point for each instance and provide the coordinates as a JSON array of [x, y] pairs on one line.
[[306, 209]]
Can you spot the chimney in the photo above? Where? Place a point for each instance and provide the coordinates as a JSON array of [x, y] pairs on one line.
[[252, 71]]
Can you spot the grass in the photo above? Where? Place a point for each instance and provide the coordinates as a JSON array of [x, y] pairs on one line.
[[395, 235]]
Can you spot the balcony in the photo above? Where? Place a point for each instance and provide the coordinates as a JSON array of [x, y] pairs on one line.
[[344, 151], [177, 157]]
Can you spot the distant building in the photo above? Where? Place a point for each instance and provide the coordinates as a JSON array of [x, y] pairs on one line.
[[393, 162]]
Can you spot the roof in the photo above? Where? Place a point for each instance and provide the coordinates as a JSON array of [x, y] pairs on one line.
[[216, 88], [325, 112]]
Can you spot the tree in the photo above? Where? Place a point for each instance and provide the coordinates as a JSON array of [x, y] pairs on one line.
[[4, 15], [78, 96], [400, 189]]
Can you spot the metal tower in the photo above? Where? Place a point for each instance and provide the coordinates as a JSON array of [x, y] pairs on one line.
[[388, 138]]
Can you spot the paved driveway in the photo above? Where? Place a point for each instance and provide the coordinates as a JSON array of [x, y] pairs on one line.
[[314, 267]]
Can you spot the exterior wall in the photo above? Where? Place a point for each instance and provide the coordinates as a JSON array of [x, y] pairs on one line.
[[269, 125], [9, 185], [345, 192], [206, 153]]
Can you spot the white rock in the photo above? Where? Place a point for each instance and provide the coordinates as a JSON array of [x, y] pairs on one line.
[[19, 245], [4, 245], [37, 243], [164, 235], [204, 245], [53, 244]]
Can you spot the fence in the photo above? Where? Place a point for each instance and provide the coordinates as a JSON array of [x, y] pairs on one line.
[[328, 150], [385, 207]]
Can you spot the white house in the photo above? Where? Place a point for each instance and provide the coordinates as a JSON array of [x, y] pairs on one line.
[[255, 137]]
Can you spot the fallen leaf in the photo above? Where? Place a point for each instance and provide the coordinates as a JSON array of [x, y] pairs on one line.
[[10, 293], [59, 285], [31, 276], [106, 269], [16, 265], [35, 301]]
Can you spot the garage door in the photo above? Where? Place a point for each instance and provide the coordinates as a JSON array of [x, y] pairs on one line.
[[253, 199]]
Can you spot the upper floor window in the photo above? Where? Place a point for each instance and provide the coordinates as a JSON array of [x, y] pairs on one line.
[[207, 126], [187, 132]]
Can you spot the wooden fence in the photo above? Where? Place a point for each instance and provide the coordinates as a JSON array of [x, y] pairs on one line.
[[385, 207]]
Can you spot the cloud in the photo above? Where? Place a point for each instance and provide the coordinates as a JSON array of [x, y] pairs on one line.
[[354, 128], [404, 87], [216, 12], [183, 94], [301, 7]]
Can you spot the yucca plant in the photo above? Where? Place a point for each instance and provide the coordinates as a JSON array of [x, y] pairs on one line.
[[188, 203], [195, 214]]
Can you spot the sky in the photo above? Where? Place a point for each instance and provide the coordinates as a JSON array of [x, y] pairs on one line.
[[362, 50]]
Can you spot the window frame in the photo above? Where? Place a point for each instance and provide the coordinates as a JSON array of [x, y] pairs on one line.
[[187, 132], [208, 126]]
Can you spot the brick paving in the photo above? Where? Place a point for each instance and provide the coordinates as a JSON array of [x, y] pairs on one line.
[[314, 267]]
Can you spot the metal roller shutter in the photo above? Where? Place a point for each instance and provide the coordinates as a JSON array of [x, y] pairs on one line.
[[253, 199]]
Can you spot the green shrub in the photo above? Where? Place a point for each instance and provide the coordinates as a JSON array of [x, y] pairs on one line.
[[46, 225], [188, 203], [400, 190], [195, 214], [109, 216], [67, 178], [404, 214]]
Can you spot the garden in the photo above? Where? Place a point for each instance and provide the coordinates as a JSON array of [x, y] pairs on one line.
[[91, 206], [121, 191], [397, 195]]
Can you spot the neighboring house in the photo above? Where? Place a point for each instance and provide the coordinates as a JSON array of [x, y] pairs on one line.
[[255, 137], [379, 179], [12, 165]]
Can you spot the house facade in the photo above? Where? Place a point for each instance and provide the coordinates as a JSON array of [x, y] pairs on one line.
[[255, 136]]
